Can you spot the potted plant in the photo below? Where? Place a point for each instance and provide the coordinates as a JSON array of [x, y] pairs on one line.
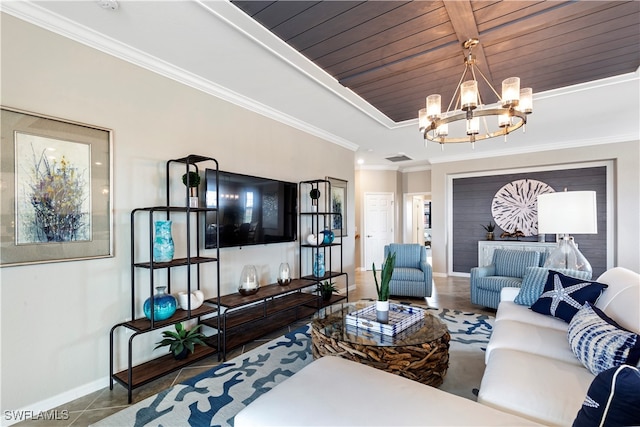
[[194, 182], [489, 229], [327, 289], [382, 305], [182, 341]]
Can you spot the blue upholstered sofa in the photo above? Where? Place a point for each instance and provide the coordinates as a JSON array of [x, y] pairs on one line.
[[412, 275], [505, 271]]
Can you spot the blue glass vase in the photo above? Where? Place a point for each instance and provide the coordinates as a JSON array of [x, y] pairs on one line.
[[318, 265], [164, 305], [163, 247], [329, 236]]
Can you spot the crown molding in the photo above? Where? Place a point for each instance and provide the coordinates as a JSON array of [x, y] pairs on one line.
[[552, 146], [43, 18]]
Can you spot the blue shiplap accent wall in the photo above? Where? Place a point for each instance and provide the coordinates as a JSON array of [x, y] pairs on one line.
[[472, 207]]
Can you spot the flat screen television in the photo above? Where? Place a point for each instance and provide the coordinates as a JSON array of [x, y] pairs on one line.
[[252, 210]]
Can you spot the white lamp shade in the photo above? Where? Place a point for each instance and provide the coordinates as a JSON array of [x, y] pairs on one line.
[[568, 212]]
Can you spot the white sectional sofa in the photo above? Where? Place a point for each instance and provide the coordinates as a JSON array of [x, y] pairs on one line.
[[531, 370], [531, 378]]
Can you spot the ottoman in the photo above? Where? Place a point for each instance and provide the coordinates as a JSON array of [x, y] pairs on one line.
[[332, 391]]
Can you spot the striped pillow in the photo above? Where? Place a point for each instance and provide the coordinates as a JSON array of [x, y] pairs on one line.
[[535, 279], [599, 342]]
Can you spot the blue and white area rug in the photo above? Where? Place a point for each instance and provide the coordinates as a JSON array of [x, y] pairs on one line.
[[215, 396]]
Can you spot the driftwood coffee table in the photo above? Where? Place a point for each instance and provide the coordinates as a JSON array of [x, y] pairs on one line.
[[420, 353]]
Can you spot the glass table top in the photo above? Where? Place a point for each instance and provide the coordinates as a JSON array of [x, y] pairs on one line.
[[330, 322]]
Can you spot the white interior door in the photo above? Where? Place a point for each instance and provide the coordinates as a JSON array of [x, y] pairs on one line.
[[418, 220], [378, 227]]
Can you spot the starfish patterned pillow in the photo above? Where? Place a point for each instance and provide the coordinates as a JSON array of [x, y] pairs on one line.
[[563, 296]]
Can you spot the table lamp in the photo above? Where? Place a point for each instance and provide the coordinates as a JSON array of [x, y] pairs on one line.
[[564, 213]]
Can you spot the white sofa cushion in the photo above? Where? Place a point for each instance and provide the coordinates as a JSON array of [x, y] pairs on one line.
[[620, 300], [336, 392], [509, 310], [526, 337], [544, 390]]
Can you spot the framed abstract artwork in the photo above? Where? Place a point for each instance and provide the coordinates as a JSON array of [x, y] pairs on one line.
[[56, 190], [338, 204]]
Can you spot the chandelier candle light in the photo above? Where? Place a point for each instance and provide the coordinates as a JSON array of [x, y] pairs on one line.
[[510, 112]]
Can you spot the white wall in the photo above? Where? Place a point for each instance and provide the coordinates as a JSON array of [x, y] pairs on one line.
[[56, 317]]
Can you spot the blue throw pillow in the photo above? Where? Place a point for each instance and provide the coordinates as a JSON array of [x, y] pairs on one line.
[[536, 277], [599, 342], [563, 296], [613, 399]]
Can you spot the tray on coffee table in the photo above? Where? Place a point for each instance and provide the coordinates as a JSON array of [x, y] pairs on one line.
[[400, 318]]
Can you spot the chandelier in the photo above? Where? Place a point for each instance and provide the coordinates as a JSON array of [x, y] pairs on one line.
[[510, 111]]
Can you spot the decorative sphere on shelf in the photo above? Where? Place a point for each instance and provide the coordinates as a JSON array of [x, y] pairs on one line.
[[312, 240]]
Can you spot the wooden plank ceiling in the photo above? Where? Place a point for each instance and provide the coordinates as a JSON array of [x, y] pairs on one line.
[[395, 53]]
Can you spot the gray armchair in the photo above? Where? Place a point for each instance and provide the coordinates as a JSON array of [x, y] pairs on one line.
[[412, 275]]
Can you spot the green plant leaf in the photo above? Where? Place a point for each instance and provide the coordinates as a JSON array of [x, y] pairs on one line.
[[178, 349], [385, 277], [199, 341], [194, 179]]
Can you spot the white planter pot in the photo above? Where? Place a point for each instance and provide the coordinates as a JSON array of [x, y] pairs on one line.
[[382, 311]]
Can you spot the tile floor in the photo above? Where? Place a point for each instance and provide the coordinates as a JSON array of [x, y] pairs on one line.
[[450, 292]]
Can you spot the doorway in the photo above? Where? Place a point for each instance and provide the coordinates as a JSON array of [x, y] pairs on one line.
[[417, 220], [378, 226]]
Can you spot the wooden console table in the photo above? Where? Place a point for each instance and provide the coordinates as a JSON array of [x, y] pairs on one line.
[[246, 318]]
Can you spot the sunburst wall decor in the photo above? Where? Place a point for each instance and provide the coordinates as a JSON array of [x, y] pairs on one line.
[[514, 206]]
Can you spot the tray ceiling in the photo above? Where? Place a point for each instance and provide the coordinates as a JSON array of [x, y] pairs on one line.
[[393, 53]]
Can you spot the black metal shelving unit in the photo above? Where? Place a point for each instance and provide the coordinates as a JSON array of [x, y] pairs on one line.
[[136, 376], [317, 218]]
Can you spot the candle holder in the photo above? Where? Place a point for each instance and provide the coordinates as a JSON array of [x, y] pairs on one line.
[[284, 274], [249, 284]]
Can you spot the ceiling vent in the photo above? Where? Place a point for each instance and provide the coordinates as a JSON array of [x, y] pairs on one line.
[[399, 158]]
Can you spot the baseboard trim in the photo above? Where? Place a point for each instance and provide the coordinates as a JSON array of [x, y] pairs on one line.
[[459, 274], [55, 401]]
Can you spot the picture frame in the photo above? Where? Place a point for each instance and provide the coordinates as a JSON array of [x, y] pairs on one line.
[[56, 189], [338, 203]]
